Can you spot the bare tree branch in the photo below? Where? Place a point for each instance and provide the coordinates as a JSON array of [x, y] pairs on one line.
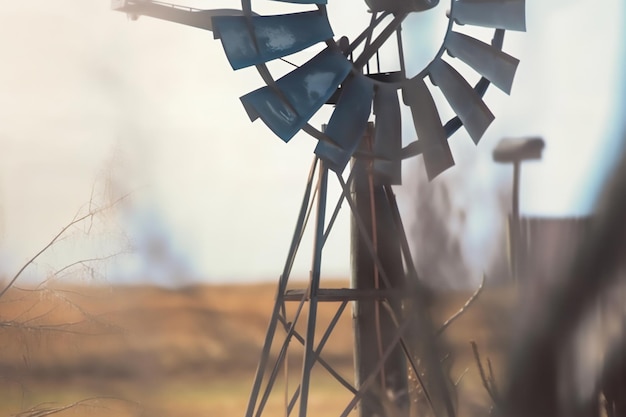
[[56, 328], [492, 379], [460, 378], [82, 262], [45, 409], [76, 220], [59, 294]]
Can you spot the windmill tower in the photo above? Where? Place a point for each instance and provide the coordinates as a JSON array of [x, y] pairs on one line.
[[345, 73]]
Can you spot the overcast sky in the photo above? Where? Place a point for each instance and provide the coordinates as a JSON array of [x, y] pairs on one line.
[[89, 99]]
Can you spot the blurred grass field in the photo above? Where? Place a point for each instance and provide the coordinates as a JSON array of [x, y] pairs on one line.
[[148, 351]]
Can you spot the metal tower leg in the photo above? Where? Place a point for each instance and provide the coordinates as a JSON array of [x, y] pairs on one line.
[[265, 376], [313, 289], [279, 301]]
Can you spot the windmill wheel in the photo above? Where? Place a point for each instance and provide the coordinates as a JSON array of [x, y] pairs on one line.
[[340, 75]]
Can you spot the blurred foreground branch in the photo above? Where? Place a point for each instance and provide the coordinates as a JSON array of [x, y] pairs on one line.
[[462, 310], [540, 359]]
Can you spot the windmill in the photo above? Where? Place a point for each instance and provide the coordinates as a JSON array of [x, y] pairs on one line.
[[345, 73]]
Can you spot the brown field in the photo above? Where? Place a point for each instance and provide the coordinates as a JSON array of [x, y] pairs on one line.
[[192, 352]]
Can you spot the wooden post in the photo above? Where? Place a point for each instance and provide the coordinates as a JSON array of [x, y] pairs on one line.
[[514, 151]]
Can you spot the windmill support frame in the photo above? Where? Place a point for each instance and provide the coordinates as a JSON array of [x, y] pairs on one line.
[[397, 350]]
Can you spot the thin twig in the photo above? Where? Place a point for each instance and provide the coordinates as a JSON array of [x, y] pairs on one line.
[[52, 328], [83, 262], [65, 327], [39, 316], [458, 380], [492, 380], [460, 312], [41, 410], [93, 318], [25, 311], [412, 362]]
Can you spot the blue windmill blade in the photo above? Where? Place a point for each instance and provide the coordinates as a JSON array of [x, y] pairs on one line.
[[465, 102], [430, 132], [387, 136], [289, 105], [275, 112], [500, 14], [490, 62], [347, 123], [259, 39]]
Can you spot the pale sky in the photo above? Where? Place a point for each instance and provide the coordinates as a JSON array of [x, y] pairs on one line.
[[86, 95]]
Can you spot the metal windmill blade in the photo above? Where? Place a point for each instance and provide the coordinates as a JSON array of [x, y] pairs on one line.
[[500, 14], [465, 102], [270, 37], [430, 132], [348, 122], [490, 62], [287, 105], [387, 136]]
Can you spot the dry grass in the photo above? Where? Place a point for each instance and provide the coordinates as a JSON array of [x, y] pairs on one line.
[[192, 351]]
